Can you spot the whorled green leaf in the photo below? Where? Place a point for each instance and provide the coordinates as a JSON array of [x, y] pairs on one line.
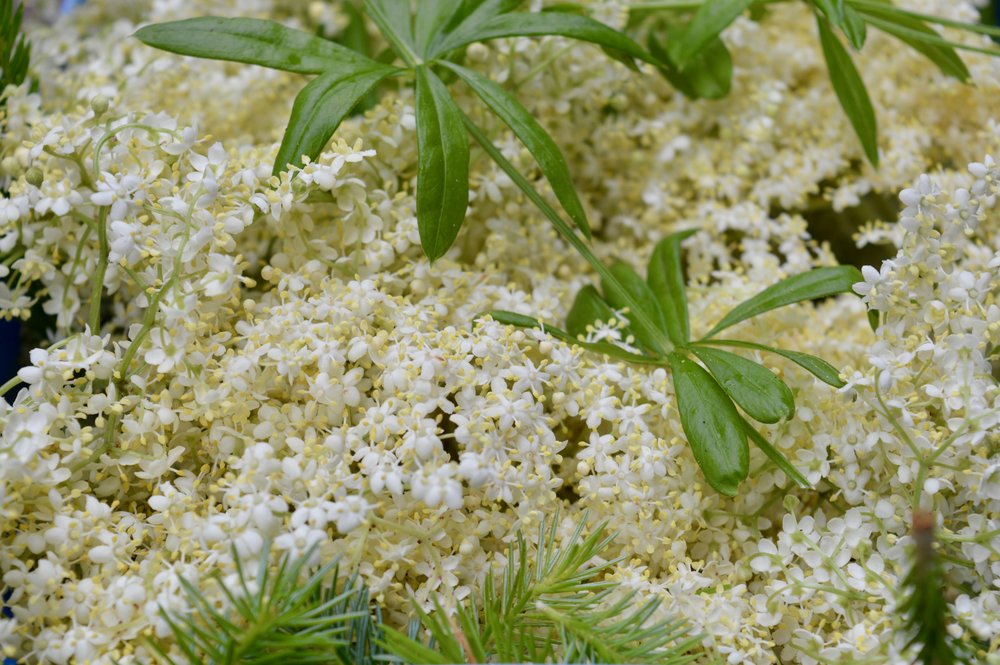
[[666, 278], [708, 23], [564, 229], [431, 19], [713, 426], [647, 334], [818, 367], [709, 74], [753, 387], [475, 12], [817, 283], [588, 308], [538, 142], [443, 169], [776, 456], [850, 89], [604, 348], [252, 41], [846, 18], [528, 24], [319, 109], [891, 11], [855, 27], [924, 40]]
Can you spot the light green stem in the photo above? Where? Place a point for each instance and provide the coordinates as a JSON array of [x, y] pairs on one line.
[[564, 229], [97, 288]]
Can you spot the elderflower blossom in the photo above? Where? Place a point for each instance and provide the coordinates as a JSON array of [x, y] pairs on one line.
[[277, 362]]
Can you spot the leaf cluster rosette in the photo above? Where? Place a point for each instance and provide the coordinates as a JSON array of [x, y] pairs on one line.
[[430, 44], [712, 385]]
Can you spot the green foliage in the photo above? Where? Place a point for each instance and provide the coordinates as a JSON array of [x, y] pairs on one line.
[[15, 51], [850, 89], [557, 608], [286, 616], [554, 606], [697, 63], [425, 41], [925, 611], [707, 396]]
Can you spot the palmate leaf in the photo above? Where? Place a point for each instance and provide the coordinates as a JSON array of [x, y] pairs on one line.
[[252, 41], [319, 109], [666, 278], [817, 283], [753, 387], [850, 89], [712, 426], [443, 171], [538, 142]]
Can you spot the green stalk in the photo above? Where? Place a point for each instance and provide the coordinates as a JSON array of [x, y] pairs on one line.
[[97, 288], [564, 229]]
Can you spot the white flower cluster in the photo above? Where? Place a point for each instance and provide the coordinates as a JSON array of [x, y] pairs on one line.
[[241, 358]]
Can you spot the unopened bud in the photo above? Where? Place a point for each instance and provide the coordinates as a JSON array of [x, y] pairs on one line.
[[10, 166], [100, 104], [34, 176]]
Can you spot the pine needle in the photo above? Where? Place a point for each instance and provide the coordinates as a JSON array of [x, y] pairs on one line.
[[556, 608]]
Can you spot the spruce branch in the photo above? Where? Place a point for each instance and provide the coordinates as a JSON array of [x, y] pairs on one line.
[[556, 606]]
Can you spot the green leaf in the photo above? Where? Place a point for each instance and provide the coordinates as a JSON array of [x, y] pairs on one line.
[[709, 74], [708, 23], [524, 24], [319, 109], [394, 21], [854, 27], [666, 278], [252, 41], [712, 425], [850, 89], [533, 136], [846, 18], [642, 295], [891, 11], [753, 387], [604, 348], [776, 456], [818, 367], [431, 19], [817, 283], [564, 229], [443, 170], [588, 308], [907, 30], [475, 12], [355, 37], [874, 319]]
